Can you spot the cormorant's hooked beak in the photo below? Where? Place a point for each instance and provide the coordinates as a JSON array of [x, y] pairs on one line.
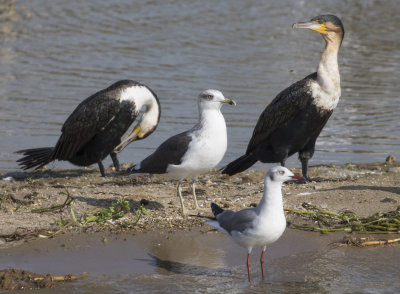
[[135, 134], [297, 177], [229, 101], [314, 26]]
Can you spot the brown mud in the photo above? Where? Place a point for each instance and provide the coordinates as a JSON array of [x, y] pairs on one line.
[[13, 279], [45, 203], [361, 188]]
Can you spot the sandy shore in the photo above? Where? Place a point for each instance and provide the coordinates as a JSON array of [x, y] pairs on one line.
[[363, 189]]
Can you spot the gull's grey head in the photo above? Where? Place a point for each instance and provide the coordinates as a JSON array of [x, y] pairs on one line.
[[281, 174]]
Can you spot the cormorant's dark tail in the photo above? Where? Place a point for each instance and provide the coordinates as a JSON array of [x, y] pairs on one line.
[[216, 209], [240, 164], [35, 158]]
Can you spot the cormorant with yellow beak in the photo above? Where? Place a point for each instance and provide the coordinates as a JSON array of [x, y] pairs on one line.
[[95, 128], [293, 120]]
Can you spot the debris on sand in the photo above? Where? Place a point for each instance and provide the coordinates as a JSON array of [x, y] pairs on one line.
[[14, 279], [367, 241], [347, 221]]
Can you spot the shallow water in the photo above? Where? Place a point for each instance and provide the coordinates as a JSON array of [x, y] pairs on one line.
[[53, 54], [195, 262], [56, 53]]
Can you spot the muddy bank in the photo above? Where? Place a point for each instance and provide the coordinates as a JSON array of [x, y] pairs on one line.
[[14, 279], [363, 189]]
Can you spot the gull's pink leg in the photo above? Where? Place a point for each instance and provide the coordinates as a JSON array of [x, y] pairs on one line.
[[248, 266], [262, 262]]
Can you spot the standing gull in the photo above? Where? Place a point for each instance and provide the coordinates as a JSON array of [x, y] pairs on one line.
[[293, 121], [195, 151], [261, 225], [94, 129]]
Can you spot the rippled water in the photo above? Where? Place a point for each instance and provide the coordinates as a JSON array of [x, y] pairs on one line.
[[194, 262], [56, 53]]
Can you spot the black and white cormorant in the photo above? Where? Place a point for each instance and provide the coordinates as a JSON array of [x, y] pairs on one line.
[[293, 121], [195, 151], [95, 128]]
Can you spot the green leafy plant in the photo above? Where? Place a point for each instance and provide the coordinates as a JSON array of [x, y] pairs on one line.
[[4, 197], [68, 202], [30, 180], [349, 166], [139, 213], [115, 211]]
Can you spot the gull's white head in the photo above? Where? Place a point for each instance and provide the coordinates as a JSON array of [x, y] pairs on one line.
[[213, 99]]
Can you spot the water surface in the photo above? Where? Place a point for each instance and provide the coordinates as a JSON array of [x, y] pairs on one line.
[[54, 54], [194, 262]]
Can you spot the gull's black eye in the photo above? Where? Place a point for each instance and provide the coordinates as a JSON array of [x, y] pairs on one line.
[[208, 97], [281, 172]]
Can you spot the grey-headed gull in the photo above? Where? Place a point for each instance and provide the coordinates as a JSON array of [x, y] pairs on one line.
[[261, 225]]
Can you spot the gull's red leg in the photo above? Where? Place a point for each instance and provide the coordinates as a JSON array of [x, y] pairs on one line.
[[262, 263], [248, 266]]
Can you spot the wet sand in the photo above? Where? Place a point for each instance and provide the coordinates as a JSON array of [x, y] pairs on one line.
[[363, 189], [168, 243]]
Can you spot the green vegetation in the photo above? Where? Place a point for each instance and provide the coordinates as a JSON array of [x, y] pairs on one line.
[[349, 166], [115, 211], [3, 198], [68, 202], [30, 180], [347, 221]]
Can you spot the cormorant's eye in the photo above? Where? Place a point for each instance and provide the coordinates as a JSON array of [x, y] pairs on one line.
[[320, 21]]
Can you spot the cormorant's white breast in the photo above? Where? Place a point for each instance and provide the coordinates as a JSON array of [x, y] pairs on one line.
[[95, 128], [293, 120]]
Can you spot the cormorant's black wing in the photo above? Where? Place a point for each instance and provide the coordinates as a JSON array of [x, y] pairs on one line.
[[91, 116], [281, 110]]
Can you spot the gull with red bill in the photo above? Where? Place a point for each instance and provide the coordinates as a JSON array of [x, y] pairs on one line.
[[261, 225]]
